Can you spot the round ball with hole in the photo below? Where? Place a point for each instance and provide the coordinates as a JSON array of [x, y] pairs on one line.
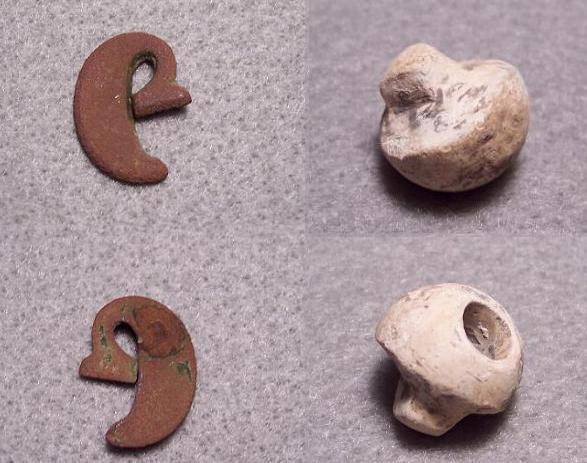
[[458, 353]]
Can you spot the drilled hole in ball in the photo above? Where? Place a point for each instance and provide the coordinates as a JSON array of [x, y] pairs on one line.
[[487, 331]]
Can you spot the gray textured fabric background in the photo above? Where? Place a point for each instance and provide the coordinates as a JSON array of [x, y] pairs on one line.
[[219, 242], [353, 189], [270, 237]]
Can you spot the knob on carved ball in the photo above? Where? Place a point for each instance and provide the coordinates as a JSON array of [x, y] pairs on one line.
[[458, 353], [452, 126]]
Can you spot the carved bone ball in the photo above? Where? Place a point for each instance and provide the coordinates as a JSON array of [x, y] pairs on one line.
[[458, 353], [452, 126]]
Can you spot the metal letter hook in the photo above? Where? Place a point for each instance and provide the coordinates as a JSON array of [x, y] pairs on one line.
[[166, 368], [105, 109]]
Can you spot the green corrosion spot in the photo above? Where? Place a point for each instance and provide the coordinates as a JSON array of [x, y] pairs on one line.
[[183, 368], [133, 368], [103, 339], [128, 309], [107, 352]]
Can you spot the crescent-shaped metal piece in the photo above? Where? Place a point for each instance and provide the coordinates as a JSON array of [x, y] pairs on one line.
[[104, 108], [166, 368]]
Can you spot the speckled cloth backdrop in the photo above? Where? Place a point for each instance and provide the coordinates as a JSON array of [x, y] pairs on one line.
[[220, 242], [281, 236]]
